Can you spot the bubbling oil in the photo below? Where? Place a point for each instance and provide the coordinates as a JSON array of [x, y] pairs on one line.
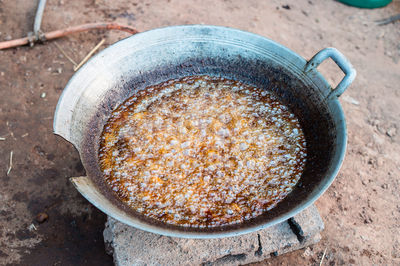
[[202, 151]]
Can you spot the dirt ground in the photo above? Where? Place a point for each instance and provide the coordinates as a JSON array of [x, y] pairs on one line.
[[361, 210]]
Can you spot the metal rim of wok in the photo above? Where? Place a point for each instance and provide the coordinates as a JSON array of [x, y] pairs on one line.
[[152, 57]]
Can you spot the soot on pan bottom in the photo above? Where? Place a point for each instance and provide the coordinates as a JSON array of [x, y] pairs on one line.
[[202, 151]]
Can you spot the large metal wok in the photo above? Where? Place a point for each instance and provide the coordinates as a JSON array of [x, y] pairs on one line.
[[158, 55]]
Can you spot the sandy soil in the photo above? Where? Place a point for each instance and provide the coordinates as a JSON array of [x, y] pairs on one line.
[[361, 209]]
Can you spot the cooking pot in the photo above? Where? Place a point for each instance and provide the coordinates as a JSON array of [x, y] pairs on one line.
[[158, 55]]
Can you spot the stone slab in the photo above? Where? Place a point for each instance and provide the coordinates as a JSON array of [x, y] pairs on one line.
[[130, 246]]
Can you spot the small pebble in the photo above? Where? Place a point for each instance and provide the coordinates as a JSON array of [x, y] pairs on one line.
[[42, 217], [43, 95], [391, 132]]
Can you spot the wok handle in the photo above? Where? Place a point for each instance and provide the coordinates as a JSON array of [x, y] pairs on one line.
[[341, 61]]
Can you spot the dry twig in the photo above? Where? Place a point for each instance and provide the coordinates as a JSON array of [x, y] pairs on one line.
[[323, 256], [388, 20], [64, 32], [11, 163], [89, 55], [65, 54]]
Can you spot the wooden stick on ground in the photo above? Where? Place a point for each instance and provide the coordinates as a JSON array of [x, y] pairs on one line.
[[388, 20], [89, 55], [11, 163], [64, 32]]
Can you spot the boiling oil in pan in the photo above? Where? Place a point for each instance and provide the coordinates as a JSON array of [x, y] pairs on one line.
[[202, 152]]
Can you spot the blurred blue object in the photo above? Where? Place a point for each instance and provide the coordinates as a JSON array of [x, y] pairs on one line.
[[366, 3]]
